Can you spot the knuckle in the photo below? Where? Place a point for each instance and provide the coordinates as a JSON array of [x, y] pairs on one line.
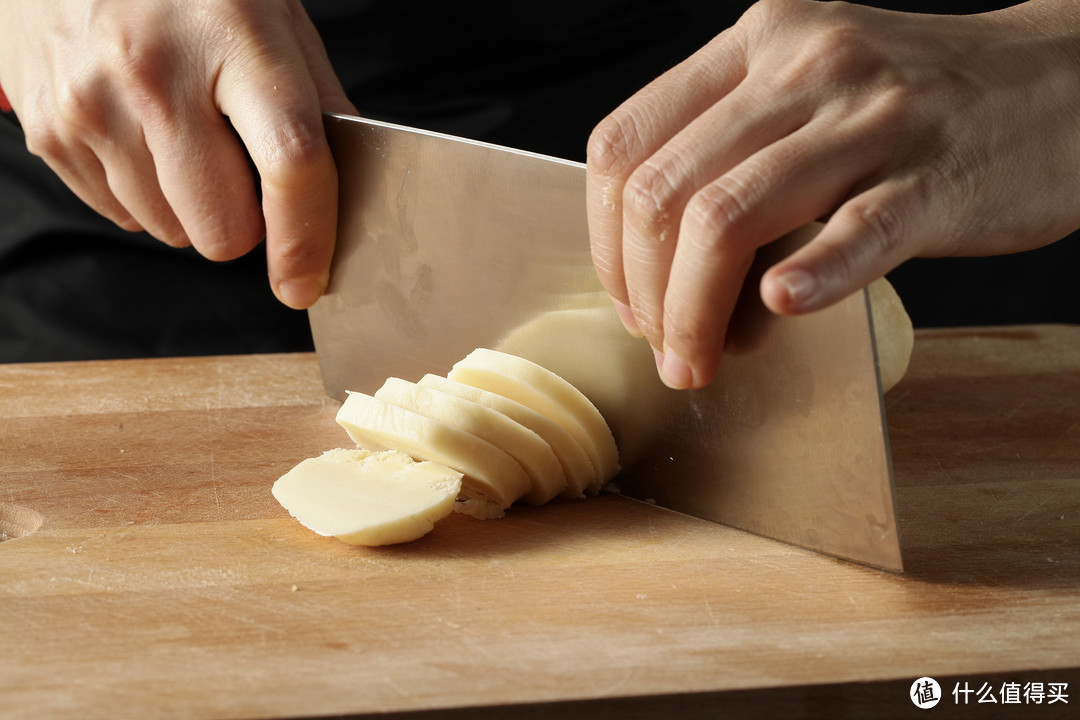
[[651, 193], [765, 13], [880, 225], [615, 143], [295, 256], [875, 231], [293, 151], [43, 140], [120, 215], [79, 105], [138, 60], [836, 53], [137, 69], [163, 225], [719, 214], [840, 48], [892, 108], [213, 244], [222, 235], [177, 239], [138, 64]]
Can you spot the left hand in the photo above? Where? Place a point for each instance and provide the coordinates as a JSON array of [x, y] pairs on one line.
[[916, 135], [150, 111]]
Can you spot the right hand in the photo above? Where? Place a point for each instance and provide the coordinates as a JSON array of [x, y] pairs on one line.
[[149, 112]]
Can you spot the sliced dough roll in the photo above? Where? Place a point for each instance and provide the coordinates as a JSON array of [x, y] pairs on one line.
[[528, 448], [490, 474], [894, 336], [621, 382], [577, 468], [368, 498], [547, 393]]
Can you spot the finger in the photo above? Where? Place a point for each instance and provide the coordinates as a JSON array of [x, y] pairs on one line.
[[132, 177], [657, 193], [205, 183], [697, 310], [277, 114], [778, 189], [636, 130], [865, 238]]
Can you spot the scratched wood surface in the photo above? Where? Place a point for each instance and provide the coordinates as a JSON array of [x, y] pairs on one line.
[[148, 572]]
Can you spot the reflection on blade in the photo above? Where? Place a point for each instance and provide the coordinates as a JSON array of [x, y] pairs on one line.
[[446, 245]]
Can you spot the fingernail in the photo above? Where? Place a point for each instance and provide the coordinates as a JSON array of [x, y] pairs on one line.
[[674, 371], [299, 293], [626, 315], [801, 286]]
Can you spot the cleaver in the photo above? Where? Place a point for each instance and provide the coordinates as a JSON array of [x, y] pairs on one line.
[[445, 245]]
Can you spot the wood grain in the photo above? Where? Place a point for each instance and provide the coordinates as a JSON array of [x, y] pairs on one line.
[[164, 581]]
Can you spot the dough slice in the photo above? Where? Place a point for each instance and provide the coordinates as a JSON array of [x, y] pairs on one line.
[[368, 498], [894, 335], [577, 468], [547, 393], [492, 479], [529, 449], [621, 381]]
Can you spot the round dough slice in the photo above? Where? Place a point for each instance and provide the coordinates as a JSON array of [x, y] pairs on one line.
[[577, 468], [547, 393], [621, 381], [894, 336], [529, 449], [491, 477], [368, 498]]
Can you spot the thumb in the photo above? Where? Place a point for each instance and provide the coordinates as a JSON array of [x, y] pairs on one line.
[[865, 238]]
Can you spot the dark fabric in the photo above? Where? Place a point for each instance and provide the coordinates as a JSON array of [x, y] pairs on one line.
[[74, 286], [532, 76], [1038, 286]]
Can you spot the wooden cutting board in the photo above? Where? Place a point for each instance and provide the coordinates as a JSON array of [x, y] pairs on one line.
[[165, 581]]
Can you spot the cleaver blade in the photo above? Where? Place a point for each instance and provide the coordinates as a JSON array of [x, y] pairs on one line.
[[446, 245]]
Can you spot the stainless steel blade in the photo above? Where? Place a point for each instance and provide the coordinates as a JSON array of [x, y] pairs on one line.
[[446, 245]]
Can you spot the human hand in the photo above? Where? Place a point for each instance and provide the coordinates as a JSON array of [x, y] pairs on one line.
[[914, 135], [149, 112]]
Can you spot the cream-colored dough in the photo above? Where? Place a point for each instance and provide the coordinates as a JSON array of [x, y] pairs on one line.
[[368, 498]]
